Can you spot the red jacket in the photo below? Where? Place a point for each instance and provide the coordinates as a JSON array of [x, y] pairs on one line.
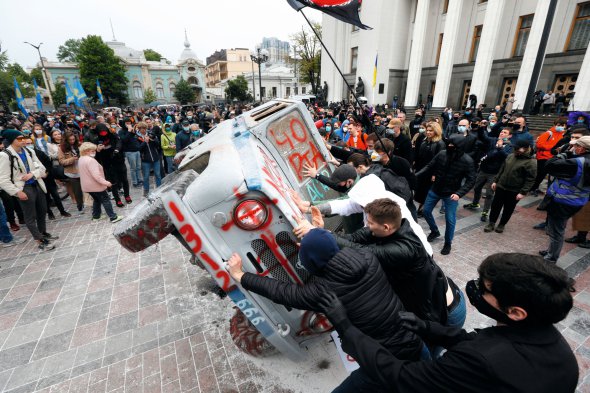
[[546, 142]]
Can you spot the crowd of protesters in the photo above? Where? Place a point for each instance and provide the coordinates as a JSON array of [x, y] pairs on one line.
[[378, 282]]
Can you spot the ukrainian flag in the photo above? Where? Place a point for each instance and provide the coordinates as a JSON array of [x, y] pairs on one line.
[[38, 96], [81, 93], [99, 92], [70, 98], [20, 100], [375, 70]]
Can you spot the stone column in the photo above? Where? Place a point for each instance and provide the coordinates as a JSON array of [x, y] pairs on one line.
[[530, 54], [415, 66], [447, 53], [581, 101], [492, 26]]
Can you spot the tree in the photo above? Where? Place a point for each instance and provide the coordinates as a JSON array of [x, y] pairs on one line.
[[70, 50], [3, 59], [151, 55], [184, 92], [310, 50], [59, 95], [38, 75], [98, 61], [237, 88], [149, 96]]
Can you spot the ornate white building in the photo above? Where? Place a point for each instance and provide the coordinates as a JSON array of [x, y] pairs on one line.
[[454, 48]]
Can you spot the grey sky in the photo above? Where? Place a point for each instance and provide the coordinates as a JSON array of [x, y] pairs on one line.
[[158, 25]]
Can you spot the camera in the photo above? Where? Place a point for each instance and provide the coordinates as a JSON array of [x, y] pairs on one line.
[[152, 135]]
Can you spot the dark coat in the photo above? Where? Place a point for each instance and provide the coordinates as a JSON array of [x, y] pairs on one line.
[[492, 161], [416, 278], [427, 151], [356, 277], [450, 170], [130, 141], [403, 148], [499, 359], [517, 174]]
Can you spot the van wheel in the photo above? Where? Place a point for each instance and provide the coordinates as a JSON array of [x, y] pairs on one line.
[[148, 222], [247, 338]]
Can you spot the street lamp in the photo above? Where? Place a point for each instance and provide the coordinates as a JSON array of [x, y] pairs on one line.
[[295, 68], [259, 57], [44, 72]]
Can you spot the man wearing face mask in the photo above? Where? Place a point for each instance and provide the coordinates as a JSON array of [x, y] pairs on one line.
[[520, 131], [451, 127], [545, 143], [464, 129], [524, 352], [416, 122], [569, 192], [448, 169], [183, 138], [402, 144]]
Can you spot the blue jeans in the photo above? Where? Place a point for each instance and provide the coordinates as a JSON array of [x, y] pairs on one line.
[[5, 235], [146, 167], [134, 159], [359, 382], [450, 214], [170, 163]]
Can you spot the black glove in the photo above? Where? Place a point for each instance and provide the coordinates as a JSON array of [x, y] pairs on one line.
[[333, 308], [412, 323]]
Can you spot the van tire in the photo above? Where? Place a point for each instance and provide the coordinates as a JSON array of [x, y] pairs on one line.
[[247, 338], [148, 222]]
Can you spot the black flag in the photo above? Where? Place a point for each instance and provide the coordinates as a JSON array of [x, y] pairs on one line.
[[345, 10]]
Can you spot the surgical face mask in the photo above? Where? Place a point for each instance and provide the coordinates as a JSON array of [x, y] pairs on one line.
[[475, 293], [462, 129], [196, 133], [328, 129], [186, 128], [345, 130], [560, 129], [516, 127], [38, 132], [189, 117], [492, 123], [467, 112], [370, 152], [92, 154], [580, 121], [422, 130], [390, 132], [375, 157]]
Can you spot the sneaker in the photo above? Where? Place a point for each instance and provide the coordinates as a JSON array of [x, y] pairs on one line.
[[484, 216], [96, 219], [541, 225], [145, 193], [14, 227], [66, 214], [120, 204], [50, 215], [81, 212], [14, 242], [49, 236], [433, 235], [489, 227], [500, 228], [116, 219], [543, 253], [446, 250], [584, 244], [471, 206], [46, 246], [442, 209], [128, 200]]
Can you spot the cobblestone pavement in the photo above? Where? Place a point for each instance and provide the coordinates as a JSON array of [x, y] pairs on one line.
[[93, 317]]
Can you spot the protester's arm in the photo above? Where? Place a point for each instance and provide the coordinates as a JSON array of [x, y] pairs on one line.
[[562, 168], [429, 168], [340, 153], [344, 207], [333, 185], [469, 182], [303, 297]]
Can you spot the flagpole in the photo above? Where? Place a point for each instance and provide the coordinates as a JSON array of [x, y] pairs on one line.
[[350, 89]]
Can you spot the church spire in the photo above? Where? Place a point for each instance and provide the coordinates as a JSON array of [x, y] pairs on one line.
[[186, 43], [112, 29]]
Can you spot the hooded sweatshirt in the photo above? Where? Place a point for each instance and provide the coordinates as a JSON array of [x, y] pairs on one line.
[[546, 142]]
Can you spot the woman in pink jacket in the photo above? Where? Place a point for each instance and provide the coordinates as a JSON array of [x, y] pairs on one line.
[[93, 182]]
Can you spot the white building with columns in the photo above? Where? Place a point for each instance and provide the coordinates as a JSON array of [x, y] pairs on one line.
[[453, 48]]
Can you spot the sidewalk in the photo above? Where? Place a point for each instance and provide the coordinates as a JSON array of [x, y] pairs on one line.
[[92, 317]]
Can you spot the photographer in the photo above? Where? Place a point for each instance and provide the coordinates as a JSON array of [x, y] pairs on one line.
[[150, 156], [524, 352], [131, 146]]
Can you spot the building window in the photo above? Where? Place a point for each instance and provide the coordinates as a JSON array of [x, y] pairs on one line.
[[263, 91], [303, 90], [137, 90], [296, 90], [288, 91], [193, 81], [445, 6], [522, 35], [381, 88], [172, 87], [579, 34], [191, 69], [274, 92], [475, 42], [354, 54], [159, 90], [440, 40]]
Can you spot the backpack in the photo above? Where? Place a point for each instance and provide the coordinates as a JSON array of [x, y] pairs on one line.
[[12, 157]]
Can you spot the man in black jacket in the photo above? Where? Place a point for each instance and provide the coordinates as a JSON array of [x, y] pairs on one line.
[[448, 170], [356, 277], [419, 282], [523, 353], [402, 144]]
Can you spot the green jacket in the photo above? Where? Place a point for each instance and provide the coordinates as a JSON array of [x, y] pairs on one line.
[[168, 139], [517, 174]]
